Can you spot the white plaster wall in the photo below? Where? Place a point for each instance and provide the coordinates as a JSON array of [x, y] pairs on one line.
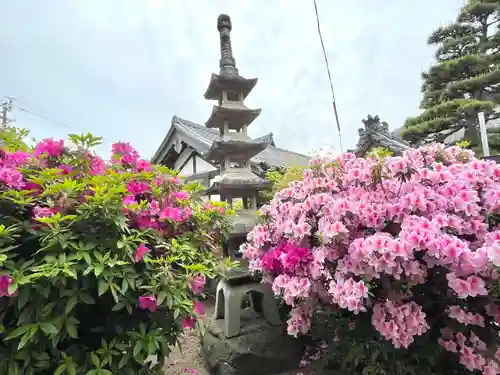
[[203, 166], [187, 170]]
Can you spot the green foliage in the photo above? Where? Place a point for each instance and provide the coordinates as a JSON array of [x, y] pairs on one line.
[[351, 344], [463, 144], [68, 246], [379, 153], [13, 139], [465, 79], [280, 178]]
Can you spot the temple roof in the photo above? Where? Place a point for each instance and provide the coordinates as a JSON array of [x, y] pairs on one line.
[[201, 138], [376, 134]]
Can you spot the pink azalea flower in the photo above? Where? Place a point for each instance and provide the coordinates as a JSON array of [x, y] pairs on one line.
[[171, 213], [65, 169], [122, 148], [129, 159], [154, 207], [197, 283], [128, 200], [148, 303], [35, 188], [11, 177], [140, 252], [5, 282], [16, 159], [199, 308], [187, 213], [49, 147], [188, 322], [97, 166], [39, 212], [138, 187], [181, 195], [143, 166]]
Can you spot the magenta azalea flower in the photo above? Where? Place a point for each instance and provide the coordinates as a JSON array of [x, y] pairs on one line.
[[11, 177], [128, 200], [199, 308], [5, 282], [181, 195], [49, 147], [140, 252], [137, 187], [39, 212], [188, 322], [143, 165], [122, 148], [197, 283], [65, 169], [16, 159], [97, 166], [148, 303]]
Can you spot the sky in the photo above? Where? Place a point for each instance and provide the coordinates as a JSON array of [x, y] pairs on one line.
[[121, 69]]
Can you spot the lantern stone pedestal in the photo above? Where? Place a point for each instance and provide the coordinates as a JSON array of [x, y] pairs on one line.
[[259, 349], [228, 302]]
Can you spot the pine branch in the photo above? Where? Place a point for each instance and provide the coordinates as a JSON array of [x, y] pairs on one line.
[[465, 79]]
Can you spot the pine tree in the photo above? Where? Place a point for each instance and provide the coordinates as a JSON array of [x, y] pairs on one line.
[[464, 81]]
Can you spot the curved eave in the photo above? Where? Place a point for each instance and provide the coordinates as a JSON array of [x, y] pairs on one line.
[[236, 117], [237, 149], [233, 83]]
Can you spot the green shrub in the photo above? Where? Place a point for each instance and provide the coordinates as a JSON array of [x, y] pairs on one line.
[[101, 263], [280, 178]]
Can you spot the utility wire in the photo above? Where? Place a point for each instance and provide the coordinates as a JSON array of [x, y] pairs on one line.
[[22, 109], [329, 76], [21, 102], [43, 117]]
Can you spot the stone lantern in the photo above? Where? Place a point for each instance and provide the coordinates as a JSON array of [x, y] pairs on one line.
[[233, 150]]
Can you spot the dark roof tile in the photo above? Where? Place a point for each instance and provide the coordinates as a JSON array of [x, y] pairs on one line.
[[272, 155]]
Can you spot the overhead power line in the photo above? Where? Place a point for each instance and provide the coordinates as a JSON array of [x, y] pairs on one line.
[[44, 117], [329, 76], [55, 122]]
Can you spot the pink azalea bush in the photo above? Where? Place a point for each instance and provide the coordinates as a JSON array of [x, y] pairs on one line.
[[102, 262], [404, 248]]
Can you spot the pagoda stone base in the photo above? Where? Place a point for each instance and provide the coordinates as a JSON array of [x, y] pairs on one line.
[[260, 349]]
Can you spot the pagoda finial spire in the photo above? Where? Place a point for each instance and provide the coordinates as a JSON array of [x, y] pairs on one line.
[[227, 63]]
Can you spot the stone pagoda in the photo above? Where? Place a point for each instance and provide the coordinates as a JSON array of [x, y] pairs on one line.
[[233, 151]]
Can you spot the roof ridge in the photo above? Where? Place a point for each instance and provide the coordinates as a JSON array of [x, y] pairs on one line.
[[187, 122], [290, 151]]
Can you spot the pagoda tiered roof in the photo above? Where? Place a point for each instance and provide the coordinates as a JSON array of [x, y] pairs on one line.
[[230, 82], [238, 145], [238, 182], [236, 115]]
